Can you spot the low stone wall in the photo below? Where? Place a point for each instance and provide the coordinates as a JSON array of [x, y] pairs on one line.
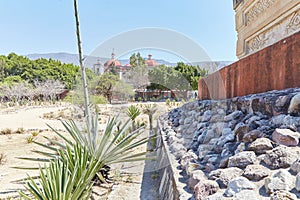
[[276, 67], [170, 187], [240, 148]]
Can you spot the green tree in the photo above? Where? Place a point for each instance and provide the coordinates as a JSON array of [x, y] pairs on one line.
[[136, 60], [40, 69], [191, 73], [122, 90], [104, 84], [138, 74], [165, 77]]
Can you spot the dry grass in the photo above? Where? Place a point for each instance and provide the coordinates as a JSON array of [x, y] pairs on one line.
[[20, 131], [29, 139], [6, 131]]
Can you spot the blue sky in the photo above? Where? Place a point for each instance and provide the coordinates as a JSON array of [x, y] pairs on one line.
[[47, 26]]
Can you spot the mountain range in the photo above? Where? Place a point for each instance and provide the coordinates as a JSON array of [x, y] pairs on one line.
[[89, 61]]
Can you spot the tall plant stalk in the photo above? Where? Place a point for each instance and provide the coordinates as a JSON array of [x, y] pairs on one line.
[[83, 75]]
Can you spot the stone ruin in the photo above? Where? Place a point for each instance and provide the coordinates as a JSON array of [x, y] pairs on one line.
[[240, 148]]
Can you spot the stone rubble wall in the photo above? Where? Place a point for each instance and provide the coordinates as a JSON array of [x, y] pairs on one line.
[[240, 148], [276, 67]]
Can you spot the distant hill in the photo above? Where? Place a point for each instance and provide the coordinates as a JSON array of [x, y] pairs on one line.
[[90, 61]]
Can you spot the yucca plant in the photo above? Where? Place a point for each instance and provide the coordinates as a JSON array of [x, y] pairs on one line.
[[133, 112], [150, 109], [114, 145], [68, 177]]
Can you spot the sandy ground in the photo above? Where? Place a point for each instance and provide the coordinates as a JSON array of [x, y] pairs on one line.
[[129, 180], [17, 145]]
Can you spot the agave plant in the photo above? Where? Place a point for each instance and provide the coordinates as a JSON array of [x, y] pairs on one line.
[[150, 109], [69, 177], [133, 112], [114, 145]]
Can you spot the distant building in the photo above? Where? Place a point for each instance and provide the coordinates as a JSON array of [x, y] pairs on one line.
[[98, 68], [261, 23], [116, 66], [112, 62], [150, 62]]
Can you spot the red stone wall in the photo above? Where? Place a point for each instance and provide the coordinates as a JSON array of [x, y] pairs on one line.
[[276, 67]]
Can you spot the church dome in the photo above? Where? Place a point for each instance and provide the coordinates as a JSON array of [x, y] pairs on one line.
[[112, 62], [150, 62]]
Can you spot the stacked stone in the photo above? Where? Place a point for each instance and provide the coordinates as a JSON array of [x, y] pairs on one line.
[[241, 148]]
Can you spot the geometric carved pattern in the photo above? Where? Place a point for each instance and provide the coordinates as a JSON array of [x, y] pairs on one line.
[[257, 43], [257, 9], [294, 23]]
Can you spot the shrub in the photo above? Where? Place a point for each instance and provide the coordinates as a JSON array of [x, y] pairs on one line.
[[20, 130], [6, 131], [168, 102], [34, 133], [29, 139], [99, 99]]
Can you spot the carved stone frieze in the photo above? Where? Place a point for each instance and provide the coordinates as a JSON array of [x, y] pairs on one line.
[[278, 31], [294, 23], [258, 42], [257, 9], [261, 23]]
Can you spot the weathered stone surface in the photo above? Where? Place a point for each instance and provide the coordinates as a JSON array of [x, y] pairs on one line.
[[206, 116], [286, 137], [294, 107], [242, 159], [209, 135], [253, 135], [280, 180], [240, 148], [234, 115], [282, 103], [177, 146], [196, 176], [261, 145], [187, 120], [216, 196], [187, 158], [238, 184], [297, 184], [205, 188], [202, 125], [256, 172], [283, 195], [240, 130], [191, 166], [227, 136], [204, 149], [281, 157], [278, 120], [295, 167], [257, 104], [223, 176], [246, 195]]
